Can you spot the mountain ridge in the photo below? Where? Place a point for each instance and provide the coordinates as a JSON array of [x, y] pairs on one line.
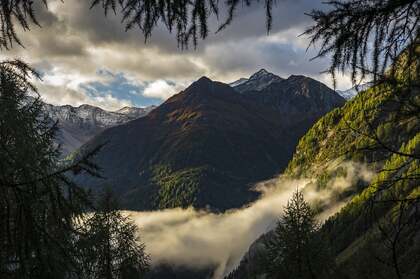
[[77, 125], [204, 147]]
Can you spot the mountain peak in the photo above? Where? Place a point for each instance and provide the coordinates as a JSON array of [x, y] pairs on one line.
[[257, 81], [261, 73], [200, 84], [205, 88], [204, 80]]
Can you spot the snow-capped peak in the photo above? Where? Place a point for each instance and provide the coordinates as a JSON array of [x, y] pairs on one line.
[[238, 82], [256, 81], [260, 74], [79, 124]]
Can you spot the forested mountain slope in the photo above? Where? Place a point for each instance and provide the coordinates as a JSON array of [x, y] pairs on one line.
[[379, 226], [370, 130]]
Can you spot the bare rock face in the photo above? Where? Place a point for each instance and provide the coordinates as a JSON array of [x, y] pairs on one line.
[[77, 125]]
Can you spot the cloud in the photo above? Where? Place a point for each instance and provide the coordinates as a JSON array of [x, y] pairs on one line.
[[200, 239], [77, 41], [277, 53], [161, 89], [58, 95]]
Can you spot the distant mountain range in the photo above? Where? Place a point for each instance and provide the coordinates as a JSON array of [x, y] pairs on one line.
[[77, 125], [352, 92], [207, 145], [80, 124]]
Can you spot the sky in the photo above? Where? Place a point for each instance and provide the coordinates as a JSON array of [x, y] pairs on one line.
[[87, 58]]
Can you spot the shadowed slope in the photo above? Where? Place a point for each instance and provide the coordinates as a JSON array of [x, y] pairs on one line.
[[204, 147]]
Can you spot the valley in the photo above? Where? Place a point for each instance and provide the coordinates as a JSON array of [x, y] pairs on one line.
[[209, 139]]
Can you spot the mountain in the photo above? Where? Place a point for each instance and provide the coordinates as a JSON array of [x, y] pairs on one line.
[[358, 234], [135, 112], [256, 81], [295, 95], [238, 82], [207, 145], [299, 100], [77, 125], [289, 96], [262, 79], [352, 92]]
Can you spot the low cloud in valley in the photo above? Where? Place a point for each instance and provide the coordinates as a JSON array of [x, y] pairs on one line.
[[199, 239]]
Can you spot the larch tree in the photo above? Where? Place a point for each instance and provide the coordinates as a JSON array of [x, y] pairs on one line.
[[296, 249], [38, 202], [109, 245]]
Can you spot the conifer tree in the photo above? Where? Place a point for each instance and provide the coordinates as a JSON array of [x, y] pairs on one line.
[[366, 37], [38, 202], [296, 249], [109, 245]]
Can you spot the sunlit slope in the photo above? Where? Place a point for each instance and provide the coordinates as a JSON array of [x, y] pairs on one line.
[[363, 132], [370, 130]]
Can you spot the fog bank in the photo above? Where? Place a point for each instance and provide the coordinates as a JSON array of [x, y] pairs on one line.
[[198, 239]]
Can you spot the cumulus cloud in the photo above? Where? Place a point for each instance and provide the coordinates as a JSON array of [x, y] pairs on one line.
[[276, 53], [65, 87], [199, 239], [78, 41], [58, 95], [161, 89]]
